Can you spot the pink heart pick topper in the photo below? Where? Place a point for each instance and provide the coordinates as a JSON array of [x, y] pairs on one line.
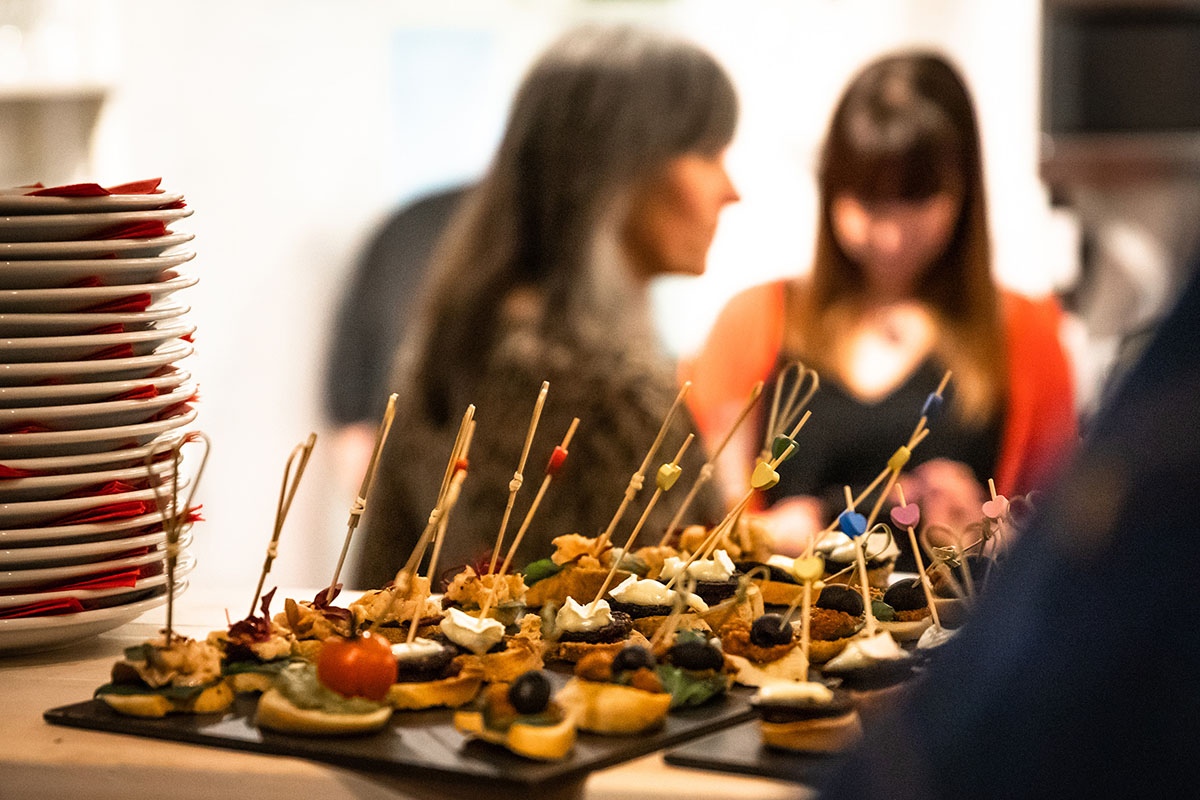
[[906, 516]]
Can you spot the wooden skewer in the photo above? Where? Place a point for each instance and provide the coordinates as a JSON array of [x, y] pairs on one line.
[[414, 558], [916, 548], [658, 492], [287, 491], [792, 408], [862, 570], [518, 478], [706, 472], [635, 482], [360, 502]]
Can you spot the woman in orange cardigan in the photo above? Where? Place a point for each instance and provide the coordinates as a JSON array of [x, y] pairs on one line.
[[901, 290]]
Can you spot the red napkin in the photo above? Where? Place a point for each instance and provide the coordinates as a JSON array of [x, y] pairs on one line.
[[147, 392], [189, 338], [43, 608], [89, 282], [13, 472], [112, 487], [115, 351], [134, 302], [107, 513], [177, 410], [115, 327], [104, 580], [148, 186], [132, 230], [30, 427]]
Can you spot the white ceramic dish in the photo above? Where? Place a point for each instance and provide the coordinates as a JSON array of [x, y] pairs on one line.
[[32, 634], [22, 579], [68, 534], [96, 369], [67, 324], [62, 394], [95, 415], [184, 565], [89, 440], [79, 299], [15, 201], [109, 271], [87, 462], [94, 248], [71, 227], [52, 487], [32, 513], [68, 554], [38, 349]]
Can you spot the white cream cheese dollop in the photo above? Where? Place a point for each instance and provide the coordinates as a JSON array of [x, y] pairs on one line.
[[416, 649], [475, 634], [652, 593], [935, 636], [578, 618], [864, 652], [717, 569], [806, 691]]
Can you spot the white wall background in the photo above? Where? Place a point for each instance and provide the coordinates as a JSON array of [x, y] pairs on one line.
[[293, 126]]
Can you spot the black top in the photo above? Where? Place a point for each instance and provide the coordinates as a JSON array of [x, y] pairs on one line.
[[849, 441]]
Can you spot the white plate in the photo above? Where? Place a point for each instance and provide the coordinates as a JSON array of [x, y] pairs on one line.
[[32, 513], [56, 301], [71, 227], [94, 370], [52, 487], [95, 248], [90, 440], [109, 271], [35, 324], [61, 394], [22, 579], [67, 534], [33, 349], [15, 201], [95, 415], [32, 634], [184, 565], [86, 462], [78, 553]]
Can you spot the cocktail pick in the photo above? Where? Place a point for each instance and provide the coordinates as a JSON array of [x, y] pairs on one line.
[[174, 514], [710, 544], [518, 478], [706, 472], [665, 479], [360, 502], [287, 491], [906, 516], [784, 415], [635, 482], [667, 627], [851, 521]]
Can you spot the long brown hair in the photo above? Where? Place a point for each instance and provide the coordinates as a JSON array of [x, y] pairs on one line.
[[602, 109], [905, 129]]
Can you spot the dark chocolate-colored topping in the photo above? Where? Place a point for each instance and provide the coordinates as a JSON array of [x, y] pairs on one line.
[[638, 611], [530, 692], [713, 592], [428, 667], [614, 631], [841, 598], [906, 595], [770, 630], [796, 710], [776, 573]]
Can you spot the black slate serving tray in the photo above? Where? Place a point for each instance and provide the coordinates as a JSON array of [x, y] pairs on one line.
[[740, 750], [424, 743]]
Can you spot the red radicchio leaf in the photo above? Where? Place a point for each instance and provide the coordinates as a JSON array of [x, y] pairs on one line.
[[252, 628], [323, 603]]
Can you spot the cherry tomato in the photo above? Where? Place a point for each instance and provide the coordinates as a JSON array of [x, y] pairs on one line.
[[360, 667]]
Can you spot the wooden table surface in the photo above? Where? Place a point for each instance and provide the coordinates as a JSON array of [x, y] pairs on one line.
[[38, 760]]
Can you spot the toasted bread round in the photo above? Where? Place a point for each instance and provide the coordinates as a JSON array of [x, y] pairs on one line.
[[907, 630], [210, 701], [519, 657], [821, 650], [820, 735], [582, 583], [279, 714], [250, 682], [612, 708], [541, 742], [449, 692], [573, 651]]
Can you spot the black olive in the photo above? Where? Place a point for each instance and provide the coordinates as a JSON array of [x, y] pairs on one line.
[[633, 657], [696, 655], [906, 595], [836, 597], [770, 630], [530, 693]]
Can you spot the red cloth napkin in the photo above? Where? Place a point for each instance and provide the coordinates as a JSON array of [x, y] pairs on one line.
[[43, 608], [104, 580], [177, 410], [89, 282], [112, 487], [147, 186], [114, 351], [106, 513], [13, 472], [147, 392], [115, 327], [29, 427], [134, 302], [132, 230]]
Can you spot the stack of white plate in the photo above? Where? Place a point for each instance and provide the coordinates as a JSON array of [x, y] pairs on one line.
[[91, 382]]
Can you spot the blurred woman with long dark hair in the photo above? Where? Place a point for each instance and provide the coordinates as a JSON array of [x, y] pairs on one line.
[[610, 172], [901, 290]]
